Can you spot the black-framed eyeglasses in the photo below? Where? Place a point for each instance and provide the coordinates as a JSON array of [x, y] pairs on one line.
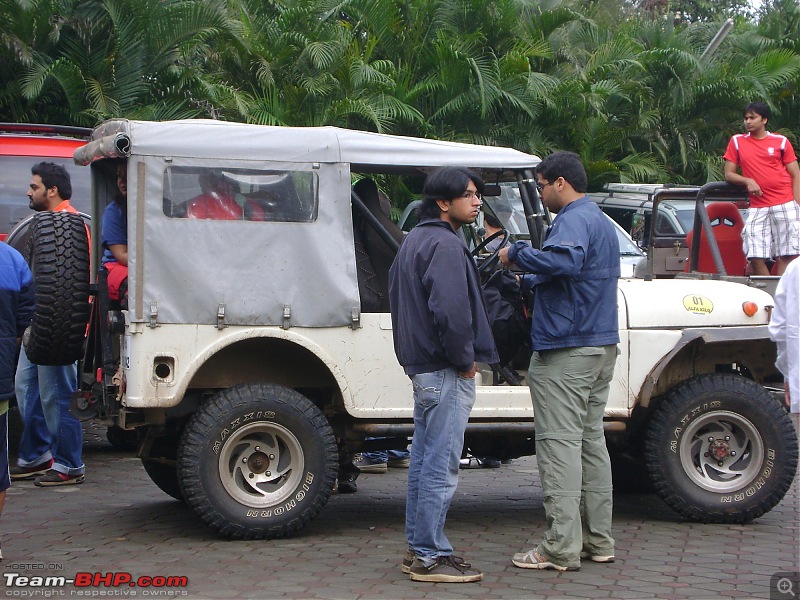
[[540, 186]]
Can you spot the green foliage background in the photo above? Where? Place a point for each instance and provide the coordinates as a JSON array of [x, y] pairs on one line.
[[623, 83]]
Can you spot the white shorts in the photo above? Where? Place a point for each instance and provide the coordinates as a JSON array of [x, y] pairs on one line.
[[772, 231]]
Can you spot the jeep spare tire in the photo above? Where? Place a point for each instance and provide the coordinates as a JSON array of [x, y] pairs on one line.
[[57, 251]]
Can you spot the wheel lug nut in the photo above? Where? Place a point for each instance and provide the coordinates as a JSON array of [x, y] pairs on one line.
[[244, 460], [251, 475], [733, 452], [720, 463], [258, 449], [711, 439], [268, 474], [272, 457], [727, 438]]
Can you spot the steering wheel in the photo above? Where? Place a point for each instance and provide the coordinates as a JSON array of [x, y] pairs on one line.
[[490, 262]]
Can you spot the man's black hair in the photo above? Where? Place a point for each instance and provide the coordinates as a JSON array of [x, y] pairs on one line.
[[567, 165], [446, 183], [492, 220], [760, 108], [54, 175]]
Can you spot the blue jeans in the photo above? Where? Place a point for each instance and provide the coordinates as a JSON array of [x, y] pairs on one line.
[[382, 456], [49, 429], [442, 403]]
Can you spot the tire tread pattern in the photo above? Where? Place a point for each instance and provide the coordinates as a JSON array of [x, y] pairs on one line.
[[666, 420], [57, 251], [199, 432]]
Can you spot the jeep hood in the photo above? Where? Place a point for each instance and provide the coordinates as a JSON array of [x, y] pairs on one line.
[[682, 303]]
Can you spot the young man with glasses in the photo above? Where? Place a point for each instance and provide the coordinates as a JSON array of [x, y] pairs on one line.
[[575, 336], [441, 331]]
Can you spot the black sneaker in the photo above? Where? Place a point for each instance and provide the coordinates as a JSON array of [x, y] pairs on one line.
[[444, 570], [53, 478], [20, 473], [347, 485]]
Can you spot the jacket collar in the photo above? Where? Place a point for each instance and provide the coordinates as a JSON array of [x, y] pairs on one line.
[[435, 222]]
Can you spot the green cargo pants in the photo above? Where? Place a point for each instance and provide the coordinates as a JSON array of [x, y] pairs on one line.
[[570, 389]]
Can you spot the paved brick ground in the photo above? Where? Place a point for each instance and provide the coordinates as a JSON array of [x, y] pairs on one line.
[[119, 521]]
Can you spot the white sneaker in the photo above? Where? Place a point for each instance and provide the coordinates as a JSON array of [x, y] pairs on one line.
[[366, 466], [598, 558]]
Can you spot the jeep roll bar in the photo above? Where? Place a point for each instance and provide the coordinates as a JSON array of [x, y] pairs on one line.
[[365, 212], [701, 221], [535, 214]]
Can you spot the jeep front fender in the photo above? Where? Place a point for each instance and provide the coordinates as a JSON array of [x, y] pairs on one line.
[[705, 350]]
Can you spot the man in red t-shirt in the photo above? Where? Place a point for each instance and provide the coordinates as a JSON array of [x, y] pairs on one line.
[[772, 177], [51, 446]]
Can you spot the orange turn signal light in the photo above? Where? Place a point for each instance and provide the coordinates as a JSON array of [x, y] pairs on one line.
[[749, 308]]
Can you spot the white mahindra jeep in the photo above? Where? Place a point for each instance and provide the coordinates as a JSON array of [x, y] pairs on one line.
[[256, 345]]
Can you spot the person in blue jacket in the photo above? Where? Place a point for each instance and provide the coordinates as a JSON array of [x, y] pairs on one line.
[[114, 239], [441, 331], [575, 336], [17, 302]]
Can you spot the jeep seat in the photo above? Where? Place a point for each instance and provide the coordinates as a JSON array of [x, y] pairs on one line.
[[727, 225]]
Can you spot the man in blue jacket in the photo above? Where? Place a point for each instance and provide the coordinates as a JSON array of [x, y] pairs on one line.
[[17, 302], [441, 332], [575, 335]]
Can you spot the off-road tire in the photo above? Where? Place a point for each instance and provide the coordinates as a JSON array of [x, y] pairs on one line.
[[160, 461], [697, 427], [257, 461], [57, 251], [126, 440], [629, 474], [165, 476]]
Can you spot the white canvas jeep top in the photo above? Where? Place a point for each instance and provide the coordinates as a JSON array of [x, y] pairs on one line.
[[178, 255]]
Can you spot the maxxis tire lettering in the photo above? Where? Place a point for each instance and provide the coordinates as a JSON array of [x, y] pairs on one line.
[[263, 414]]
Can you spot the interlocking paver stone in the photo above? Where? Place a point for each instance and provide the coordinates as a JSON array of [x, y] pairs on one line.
[[119, 521]]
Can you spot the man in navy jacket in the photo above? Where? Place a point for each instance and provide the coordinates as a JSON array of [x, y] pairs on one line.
[[441, 332], [17, 302], [575, 336]]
